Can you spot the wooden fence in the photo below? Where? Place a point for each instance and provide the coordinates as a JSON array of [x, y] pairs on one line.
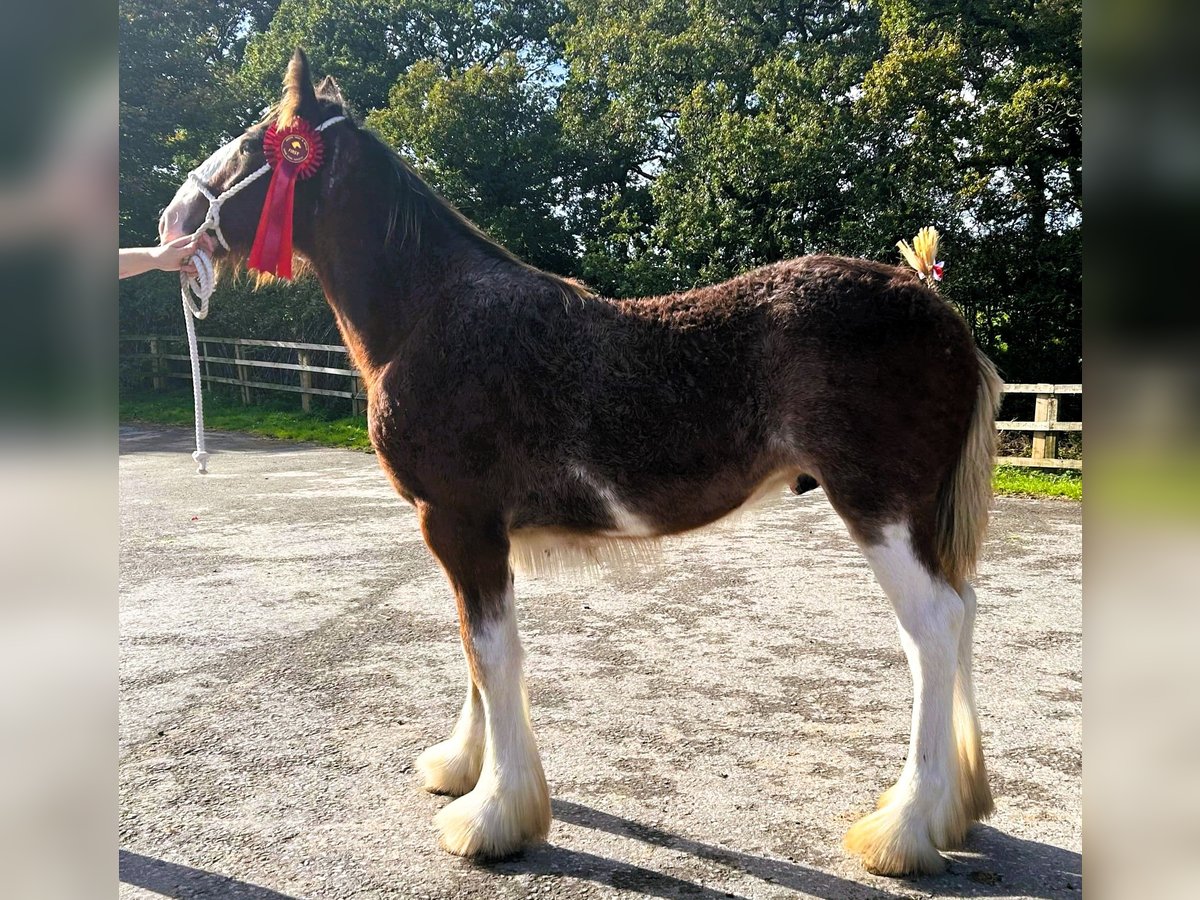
[[236, 359], [1045, 426]]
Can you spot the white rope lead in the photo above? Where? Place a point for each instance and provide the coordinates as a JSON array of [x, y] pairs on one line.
[[204, 281], [202, 285]]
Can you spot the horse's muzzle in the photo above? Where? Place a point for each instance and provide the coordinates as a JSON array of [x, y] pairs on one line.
[[183, 215]]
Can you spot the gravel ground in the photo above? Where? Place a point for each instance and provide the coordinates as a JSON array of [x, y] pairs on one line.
[[709, 726]]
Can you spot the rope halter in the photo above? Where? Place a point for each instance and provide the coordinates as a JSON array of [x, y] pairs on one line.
[[212, 221], [203, 283]]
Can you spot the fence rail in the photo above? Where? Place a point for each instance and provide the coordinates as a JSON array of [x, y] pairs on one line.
[[235, 370], [1045, 426]]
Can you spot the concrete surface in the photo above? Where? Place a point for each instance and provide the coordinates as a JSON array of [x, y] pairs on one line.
[[709, 726]]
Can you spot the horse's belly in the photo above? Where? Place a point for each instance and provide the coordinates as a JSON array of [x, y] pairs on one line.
[[632, 534]]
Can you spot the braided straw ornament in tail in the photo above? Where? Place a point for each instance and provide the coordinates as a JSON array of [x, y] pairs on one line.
[[922, 255]]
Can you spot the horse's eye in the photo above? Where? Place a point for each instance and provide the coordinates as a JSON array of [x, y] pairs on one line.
[[245, 148]]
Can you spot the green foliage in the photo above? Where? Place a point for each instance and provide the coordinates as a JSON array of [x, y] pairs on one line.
[[1022, 482], [649, 145], [348, 39], [486, 137], [178, 97], [274, 419], [368, 44], [985, 102]]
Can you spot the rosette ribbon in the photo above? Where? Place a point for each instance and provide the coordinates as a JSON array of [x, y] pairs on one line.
[[294, 153]]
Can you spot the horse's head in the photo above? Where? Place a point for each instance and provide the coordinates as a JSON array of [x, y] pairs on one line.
[[227, 180]]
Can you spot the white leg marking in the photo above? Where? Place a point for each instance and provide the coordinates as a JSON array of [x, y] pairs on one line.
[[452, 767], [510, 804], [923, 811]]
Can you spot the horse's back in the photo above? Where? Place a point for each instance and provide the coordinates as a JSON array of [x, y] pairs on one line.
[[668, 412]]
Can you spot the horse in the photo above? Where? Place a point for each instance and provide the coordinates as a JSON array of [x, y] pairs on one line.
[[535, 425]]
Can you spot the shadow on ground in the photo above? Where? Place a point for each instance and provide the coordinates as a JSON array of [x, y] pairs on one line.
[[174, 880], [142, 438], [1026, 864], [988, 852]]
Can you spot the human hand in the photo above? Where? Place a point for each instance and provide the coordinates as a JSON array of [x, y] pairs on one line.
[[177, 255]]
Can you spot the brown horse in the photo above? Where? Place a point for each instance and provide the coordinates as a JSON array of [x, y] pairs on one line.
[[530, 422]]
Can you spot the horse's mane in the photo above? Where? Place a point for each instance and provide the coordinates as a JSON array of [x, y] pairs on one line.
[[413, 200]]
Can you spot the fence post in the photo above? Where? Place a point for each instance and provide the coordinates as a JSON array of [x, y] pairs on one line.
[[354, 406], [305, 382], [1045, 443], [156, 364], [242, 374]]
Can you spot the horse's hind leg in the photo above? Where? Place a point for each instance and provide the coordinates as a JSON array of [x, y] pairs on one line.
[[452, 767], [975, 794], [924, 810], [509, 806]]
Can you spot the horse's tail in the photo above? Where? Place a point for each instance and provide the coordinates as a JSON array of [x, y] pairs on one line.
[[962, 512]]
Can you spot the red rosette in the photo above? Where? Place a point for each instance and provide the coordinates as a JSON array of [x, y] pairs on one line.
[[294, 153], [298, 145]]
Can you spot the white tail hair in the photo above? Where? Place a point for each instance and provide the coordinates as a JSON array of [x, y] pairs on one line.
[[962, 513]]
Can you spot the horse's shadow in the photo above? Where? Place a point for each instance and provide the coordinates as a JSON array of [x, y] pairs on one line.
[[993, 864], [170, 879]]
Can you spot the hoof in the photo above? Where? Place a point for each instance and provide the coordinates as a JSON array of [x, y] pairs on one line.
[[450, 768], [487, 824], [952, 818], [889, 844]]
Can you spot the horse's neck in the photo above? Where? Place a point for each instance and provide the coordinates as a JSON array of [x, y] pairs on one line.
[[379, 296]]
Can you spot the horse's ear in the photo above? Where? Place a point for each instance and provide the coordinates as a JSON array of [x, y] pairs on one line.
[[328, 90], [299, 98]]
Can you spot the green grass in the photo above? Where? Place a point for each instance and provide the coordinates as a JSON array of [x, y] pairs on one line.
[[268, 420], [279, 421], [1021, 482]]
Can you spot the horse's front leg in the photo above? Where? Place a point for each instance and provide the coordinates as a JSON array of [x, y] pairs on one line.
[[509, 805]]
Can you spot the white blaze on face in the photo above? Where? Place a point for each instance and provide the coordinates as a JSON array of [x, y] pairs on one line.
[[188, 198]]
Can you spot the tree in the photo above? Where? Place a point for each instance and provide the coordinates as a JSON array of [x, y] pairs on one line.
[[760, 132], [486, 137], [727, 113], [651, 145], [368, 44], [973, 116], [179, 101]]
